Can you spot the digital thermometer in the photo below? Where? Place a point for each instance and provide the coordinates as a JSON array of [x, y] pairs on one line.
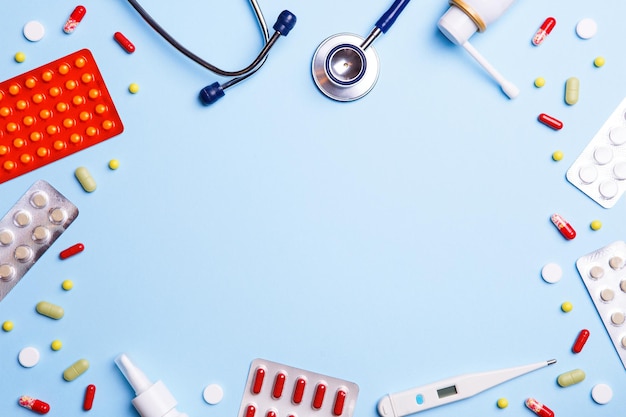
[[449, 390]]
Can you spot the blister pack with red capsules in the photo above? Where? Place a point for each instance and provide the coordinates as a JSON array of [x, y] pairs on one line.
[[54, 111]]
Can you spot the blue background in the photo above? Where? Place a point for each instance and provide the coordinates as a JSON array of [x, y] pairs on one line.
[[392, 241]]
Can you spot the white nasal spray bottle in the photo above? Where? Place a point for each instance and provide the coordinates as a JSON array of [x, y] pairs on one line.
[[466, 17], [152, 400]]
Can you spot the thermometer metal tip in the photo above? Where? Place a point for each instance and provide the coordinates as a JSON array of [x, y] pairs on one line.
[[450, 390]]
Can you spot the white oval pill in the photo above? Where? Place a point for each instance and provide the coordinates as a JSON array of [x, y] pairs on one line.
[[551, 273], [28, 357], [602, 393], [34, 31], [586, 28], [213, 394]]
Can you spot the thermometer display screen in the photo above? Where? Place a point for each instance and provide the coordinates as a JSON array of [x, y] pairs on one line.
[[446, 392]]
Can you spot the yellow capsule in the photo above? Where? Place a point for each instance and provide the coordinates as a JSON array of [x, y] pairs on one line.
[[76, 369], [572, 86], [50, 310], [570, 378], [85, 179]]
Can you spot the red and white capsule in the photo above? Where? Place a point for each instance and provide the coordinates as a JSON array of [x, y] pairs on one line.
[[564, 227], [580, 341], [538, 408], [550, 121], [74, 19], [124, 42], [544, 31], [33, 404]]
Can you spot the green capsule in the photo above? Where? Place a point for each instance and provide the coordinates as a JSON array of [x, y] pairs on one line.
[[572, 85], [76, 369], [571, 378], [50, 310], [85, 179]]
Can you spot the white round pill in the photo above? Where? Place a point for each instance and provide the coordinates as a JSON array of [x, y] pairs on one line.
[[34, 31], [551, 273], [601, 393], [28, 357], [603, 155], [619, 170], [213, 394], [618, 135], [608, 189], [588, 174], [586, 28]]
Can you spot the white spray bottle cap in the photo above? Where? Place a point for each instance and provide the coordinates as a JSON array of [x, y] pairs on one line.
[[152, 400], [457, 26]]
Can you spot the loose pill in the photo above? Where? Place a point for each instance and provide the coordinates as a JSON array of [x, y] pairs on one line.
[[572, 87], [551, 273], [563, 226], [567, 307], [90, 394], [582, 338], [213, 394], [67, 285], [20, 57], [133, 88], [586, 28], [544, 31], [56, 345], [33, 404], [114, 164], [601, 393], [570, 378], [28, 357], [502, 403], [50, 310], [76, 369], [550, 121], [72, 250], [34, 31], [540, 82], [538, 408], [74, 19], [596, 225], [557, 155], [124, 42], [599, 62], [85, 179], [7, 326]]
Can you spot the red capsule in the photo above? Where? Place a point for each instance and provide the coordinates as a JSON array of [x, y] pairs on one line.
[[33, 404], [72, 250], [74, 19], [544, 31], [279, 384], [90, 394], [124, 42], [580, 341], [318, 398], [539, 409], [257, 384], [250, 411], [298, 391], [340, 400], [564, 227], [550, 121]]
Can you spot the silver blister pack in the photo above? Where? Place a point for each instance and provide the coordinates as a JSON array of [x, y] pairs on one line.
[[29, 228], [604, 275]]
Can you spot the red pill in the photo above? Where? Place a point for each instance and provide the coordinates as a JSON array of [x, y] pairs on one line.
[[544, 31], [124, 42], [72, 250], [257, 384], [279, 384], [74, 19], [250, 411], [340, 400], [33, 404], [539, 409], [298, 391], [550, 121], [318, 398], [90, 394], [580, 341], [564, 227]]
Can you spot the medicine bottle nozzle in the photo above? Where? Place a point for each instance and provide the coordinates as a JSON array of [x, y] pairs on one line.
[[135, 377]]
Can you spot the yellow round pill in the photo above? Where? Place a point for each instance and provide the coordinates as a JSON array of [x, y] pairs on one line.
[[21, 57], [503, 403], [557, 155], [7, 326], [114, 164], [567, 307], [596, 225], [56, 345], [67, 285], [599, 62], [540, 82], [133, 88]]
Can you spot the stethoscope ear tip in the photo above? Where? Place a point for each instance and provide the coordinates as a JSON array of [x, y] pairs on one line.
[[285, 22], [211, 93]]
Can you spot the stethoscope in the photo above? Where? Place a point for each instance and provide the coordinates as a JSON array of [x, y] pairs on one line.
[[345, 66], [211, 93]]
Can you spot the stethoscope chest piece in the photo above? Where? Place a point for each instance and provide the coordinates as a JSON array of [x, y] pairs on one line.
[[342, 70]]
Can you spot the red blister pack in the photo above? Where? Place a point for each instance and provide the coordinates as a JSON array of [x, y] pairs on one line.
[[54, 111]]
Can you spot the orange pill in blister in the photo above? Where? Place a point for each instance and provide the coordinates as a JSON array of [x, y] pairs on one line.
[[124, 42]]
